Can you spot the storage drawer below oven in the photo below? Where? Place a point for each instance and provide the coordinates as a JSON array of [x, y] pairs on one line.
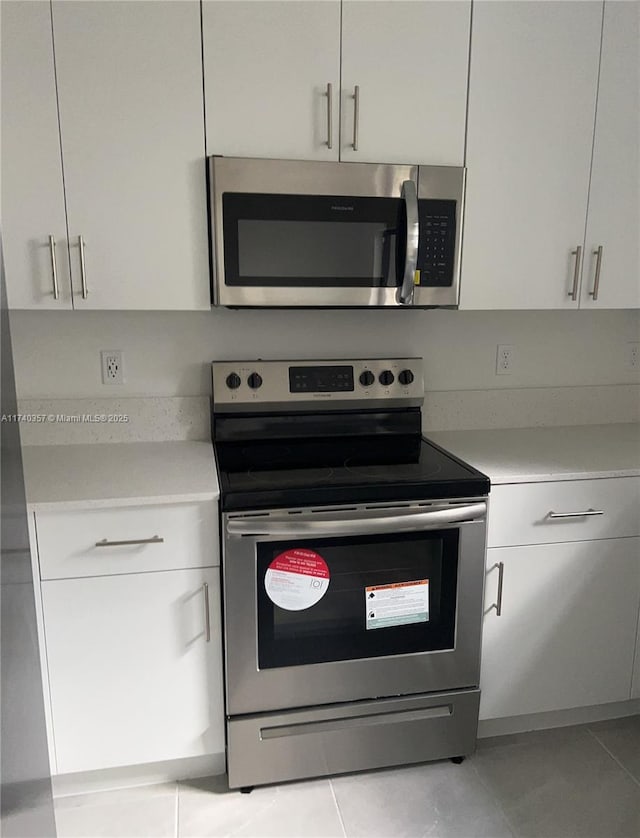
[[354, 736]]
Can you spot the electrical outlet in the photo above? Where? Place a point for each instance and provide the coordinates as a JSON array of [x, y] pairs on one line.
[[505, 359], [112, 366], [633, 355]]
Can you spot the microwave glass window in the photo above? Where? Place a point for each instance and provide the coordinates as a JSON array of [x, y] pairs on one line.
[[387, 595], [312, 241], [315, 249]]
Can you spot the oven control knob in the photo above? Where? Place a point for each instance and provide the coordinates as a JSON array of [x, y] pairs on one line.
[[386, 377], [254, 381], [367, 378], [405, 377], [233, 381]]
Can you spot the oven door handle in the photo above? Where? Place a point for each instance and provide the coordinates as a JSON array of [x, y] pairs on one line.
[[301, 526]]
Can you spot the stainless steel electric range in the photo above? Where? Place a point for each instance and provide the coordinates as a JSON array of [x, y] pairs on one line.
[[353, 570]]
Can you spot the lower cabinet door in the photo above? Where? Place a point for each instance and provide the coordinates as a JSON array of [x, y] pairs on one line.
[[135, 667], [567, 630]]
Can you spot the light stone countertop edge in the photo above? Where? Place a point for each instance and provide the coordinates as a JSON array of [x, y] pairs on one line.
[[547, 454], [95, 476]]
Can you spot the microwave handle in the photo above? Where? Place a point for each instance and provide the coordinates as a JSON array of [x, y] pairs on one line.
[[410, 196]]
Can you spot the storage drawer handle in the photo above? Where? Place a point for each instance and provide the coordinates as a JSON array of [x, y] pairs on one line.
[[153, 540], [586, 513]]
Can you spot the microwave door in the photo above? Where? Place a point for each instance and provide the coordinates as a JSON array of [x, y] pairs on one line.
[[408, 244]]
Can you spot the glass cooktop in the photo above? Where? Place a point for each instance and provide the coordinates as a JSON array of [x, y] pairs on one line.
[[255, 475]]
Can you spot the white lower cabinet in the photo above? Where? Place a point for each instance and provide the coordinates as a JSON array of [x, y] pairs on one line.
[[566, 634], [135, 667]]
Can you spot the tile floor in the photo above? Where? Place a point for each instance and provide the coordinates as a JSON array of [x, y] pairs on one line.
[[577, 781]]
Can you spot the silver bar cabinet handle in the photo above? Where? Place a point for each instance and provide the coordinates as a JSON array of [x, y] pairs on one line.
[[207, 615], [500, 567], [153, 540], [405, 295], [329, 95], [576, 272], [54, 272], [83, 270], [356, 115], [586, 513], [596, 282]]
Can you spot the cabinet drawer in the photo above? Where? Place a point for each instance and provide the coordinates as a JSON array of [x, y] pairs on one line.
[[521, 514], [81, 543]]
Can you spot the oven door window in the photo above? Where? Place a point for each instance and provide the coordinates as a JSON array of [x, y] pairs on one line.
[[388, 595], [312, 241]]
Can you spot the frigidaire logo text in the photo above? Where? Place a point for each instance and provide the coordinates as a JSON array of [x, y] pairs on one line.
[[343, 209]]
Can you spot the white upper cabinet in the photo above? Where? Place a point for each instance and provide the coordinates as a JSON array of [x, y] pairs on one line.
[[32, 188], [532, 99], [267, 67], [408, 62], [131, 120], [613, 220]]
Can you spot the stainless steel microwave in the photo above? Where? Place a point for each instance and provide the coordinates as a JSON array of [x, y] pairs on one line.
[[297, 233]]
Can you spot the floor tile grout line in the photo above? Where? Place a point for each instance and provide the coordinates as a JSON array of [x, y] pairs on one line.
[[335, 800], [614, 758], [494, 797]]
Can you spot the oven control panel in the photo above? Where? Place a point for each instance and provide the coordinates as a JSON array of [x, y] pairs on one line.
[[329, 385]]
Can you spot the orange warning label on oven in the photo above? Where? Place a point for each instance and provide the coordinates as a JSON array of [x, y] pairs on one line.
[[397, 585], [397, 604]]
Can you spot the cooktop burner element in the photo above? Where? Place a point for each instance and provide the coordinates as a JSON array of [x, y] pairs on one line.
[[329, 432]]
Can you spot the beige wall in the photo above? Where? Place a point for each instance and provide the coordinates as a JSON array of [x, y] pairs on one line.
[[57, 354]]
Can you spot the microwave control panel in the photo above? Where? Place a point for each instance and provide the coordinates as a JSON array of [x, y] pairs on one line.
[[437, 243]]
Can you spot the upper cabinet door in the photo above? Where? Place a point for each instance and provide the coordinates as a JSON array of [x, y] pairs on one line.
[[267, 67], [33, 213], [613, 219], [532, 96], [408, 64], [130, 97]]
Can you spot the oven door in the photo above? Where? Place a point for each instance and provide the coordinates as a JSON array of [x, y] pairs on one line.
[[293, 233], [340, 605]]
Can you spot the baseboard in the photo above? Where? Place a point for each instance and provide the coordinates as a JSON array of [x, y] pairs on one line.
[[557, 718], [138, 775]]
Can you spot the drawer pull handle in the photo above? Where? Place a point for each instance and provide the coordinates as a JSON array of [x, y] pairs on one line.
[[154, 540], [586, 513], [207, 615]]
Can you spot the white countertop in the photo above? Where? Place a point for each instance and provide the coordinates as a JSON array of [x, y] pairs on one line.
[[525, 455], [118, 474]]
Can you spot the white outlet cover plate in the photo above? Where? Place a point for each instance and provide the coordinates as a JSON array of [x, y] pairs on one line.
[[112, 366], [505, 358]]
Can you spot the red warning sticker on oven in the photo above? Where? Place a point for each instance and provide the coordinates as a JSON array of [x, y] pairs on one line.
[[397, 604], [297, 579]]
